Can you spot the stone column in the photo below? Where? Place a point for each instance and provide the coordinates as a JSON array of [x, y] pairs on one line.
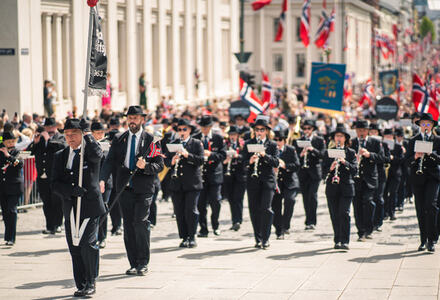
[[132, 77], [189, 50], [162, 48], [199, 45], [48, 71], [262, 40], [58, 55], [66, 56], [288, 54], [148, 52], [112, 46], [175, 48]]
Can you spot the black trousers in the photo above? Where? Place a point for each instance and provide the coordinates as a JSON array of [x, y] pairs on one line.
[[135, 210], [152, 217], [185, 209], [210, 195], [52, 205], [115, 212], [363, 205], [85, 256], [309, 190], [402, 191], [102, 232], [379, 210], [260, 210], [339, 209], [282, 218], [234, 190], [426, 208], [165, 186], [391, 194], [9, 211]]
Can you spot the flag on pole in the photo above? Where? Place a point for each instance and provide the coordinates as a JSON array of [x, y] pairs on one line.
[[326, 26], [269, 100], [368, 95], [281, 21], [423, 102], [346, 33], [259, 4], [97, 84], [248, 96], [305, 23]]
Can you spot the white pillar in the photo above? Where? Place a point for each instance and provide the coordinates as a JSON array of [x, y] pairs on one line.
[[58, 55], [262, 41], [189, 45], [287, 36], [210, 41], [148, 53], [66, 56], [199, 45], [132, 84], [234, 32], [48, 46], [162, 48], [112, 46], [175, 48]]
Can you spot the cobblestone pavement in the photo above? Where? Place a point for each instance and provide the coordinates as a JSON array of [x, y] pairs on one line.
[[303, 266]]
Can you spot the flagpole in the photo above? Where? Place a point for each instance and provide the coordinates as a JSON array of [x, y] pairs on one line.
[[84, 115]]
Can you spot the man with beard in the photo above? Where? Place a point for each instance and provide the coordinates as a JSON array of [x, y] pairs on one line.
[[132, 153], [46, 143]]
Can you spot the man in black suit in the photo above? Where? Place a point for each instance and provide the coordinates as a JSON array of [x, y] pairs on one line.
[[169, 135], [310, 173], [214, 154], [64, 180], [369, 153], [394, 175], [44, 146], [261, 182], [425, 179], [186, 182], [234, 185], [288, 185], [11, 184], [240, 122], [131, 155], [404, 186]]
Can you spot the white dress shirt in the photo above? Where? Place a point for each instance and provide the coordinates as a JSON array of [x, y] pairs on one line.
[[71, 157]]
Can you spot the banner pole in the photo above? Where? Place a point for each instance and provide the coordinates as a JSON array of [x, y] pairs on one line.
[[84, 115]]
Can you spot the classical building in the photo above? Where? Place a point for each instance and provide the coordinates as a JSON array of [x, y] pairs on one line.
[[288, 61], [168, 40]]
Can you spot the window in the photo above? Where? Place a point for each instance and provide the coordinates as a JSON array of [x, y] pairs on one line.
[[278, 62], [300, 65], [275, 27], [298, 26]]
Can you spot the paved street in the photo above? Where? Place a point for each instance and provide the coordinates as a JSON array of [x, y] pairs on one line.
[[304, 266]]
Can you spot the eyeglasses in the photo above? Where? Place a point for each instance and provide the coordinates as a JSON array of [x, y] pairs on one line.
[[260, 129], [307, 128], [278, 140], [182, 129], [427, 124]]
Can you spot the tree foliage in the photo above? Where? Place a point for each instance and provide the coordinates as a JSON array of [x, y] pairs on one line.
[[426, 26]]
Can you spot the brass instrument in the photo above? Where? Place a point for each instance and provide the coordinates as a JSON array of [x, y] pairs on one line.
[[295, 134], [336, 179], [255, 173], [420, 167], [305, 163], [228, 166], [176, 167]]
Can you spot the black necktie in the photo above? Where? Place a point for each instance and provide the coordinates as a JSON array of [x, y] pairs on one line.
[[75, 162]]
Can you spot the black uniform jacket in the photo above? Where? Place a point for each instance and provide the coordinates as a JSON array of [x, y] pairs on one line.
[[143, 179], [238, 167], [288, 177], [11, 176], [63, 180], [314, 157], [368, 166], [346, 171]]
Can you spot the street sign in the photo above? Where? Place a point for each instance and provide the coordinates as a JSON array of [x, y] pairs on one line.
[[7, 51]]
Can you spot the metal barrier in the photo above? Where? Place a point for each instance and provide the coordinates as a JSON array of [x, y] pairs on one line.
[[30, 196]]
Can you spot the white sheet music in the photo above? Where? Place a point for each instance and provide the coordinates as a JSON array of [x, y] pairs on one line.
[[423, 147], [303, 144], [231, 153], [336, 153], [252, 148], [105, 146], [390, 144], [175, 147]]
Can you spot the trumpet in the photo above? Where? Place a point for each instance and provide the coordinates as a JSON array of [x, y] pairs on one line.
[[255, 173], [336, 179], [420, 167], [359, 160], [176, 167]]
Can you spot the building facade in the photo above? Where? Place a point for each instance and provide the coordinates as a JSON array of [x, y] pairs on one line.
[[170, 41]]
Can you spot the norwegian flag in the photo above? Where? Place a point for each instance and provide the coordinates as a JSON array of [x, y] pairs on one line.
[[305, 23], [385, 44], [368, 94], [423, 102], [248, 96], [269, 100], [326, 26], [259, 4], [281, 21]]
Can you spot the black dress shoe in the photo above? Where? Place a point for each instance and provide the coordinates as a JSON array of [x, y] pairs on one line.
[[431, 247], [258, 245], [265, 245], [131, 271], [287, 231], [393, 218], [217, 232], [90, 290], [192, 243], [280, 237], [184, 243], [236, 227], [344, 246], [422, 247], [79, 293], [45, 231], [337, 246], [369, 237], [142, 271], [202, 235], [58, 229]]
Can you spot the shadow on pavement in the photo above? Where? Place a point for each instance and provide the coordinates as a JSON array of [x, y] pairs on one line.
[[37, 253], [381, 257], [224, 252], [302, 254]]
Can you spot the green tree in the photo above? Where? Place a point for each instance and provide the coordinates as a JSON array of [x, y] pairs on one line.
[[426, 26]]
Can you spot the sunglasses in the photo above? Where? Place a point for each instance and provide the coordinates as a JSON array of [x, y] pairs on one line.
[[307, 128], [260, 129], [182, 129], [278, 140], [428, 124]]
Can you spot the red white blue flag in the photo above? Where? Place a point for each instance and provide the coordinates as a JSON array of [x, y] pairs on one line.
[[259, 4], [250, 98], [423, 102], [269, 100], [368, 95], [304, 30], [326, 26], [281, 22]]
